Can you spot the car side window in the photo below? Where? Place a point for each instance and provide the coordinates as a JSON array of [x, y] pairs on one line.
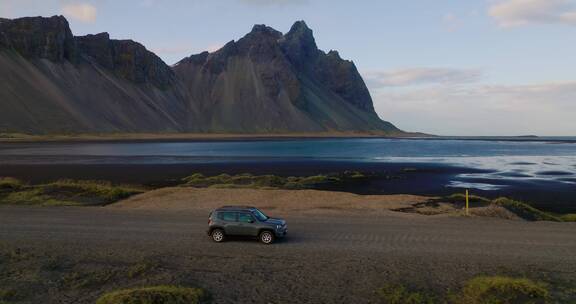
[[245, 218], [227, 216]]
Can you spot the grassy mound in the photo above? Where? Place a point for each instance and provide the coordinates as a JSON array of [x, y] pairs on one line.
[[569, 217], [7, 135], [461, 198], [64, 193], [524, 210], [399, 294], [154, 295], [479, 290], [502, 290], [9, 183], [268, 181], [520, 209]]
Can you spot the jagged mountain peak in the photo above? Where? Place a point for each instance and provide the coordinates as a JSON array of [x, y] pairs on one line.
[[299, 45], [259, 30], [301, 31], [263, 82]]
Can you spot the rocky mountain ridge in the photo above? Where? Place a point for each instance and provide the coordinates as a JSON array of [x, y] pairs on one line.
[[265, 82]]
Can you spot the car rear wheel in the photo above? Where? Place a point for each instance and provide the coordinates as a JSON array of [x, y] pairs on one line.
[[218, 235], [266, 237]]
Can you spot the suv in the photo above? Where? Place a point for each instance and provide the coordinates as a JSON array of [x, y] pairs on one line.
[[244, 221]]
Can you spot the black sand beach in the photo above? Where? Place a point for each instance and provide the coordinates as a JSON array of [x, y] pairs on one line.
[[384, 178]]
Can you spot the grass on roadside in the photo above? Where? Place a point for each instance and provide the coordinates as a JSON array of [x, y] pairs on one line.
[[569, 217], [141, 269], [461, 198], [521, 209], [154, 295], [7, 295], [64, 192], [9, 183], [525, 211], [400, 294], [502, 290], [478, 290], [83, 280]]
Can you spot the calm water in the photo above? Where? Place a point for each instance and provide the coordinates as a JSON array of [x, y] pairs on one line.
[[500, 161]]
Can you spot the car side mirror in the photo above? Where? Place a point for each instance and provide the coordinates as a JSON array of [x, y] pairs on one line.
[[251, 221]]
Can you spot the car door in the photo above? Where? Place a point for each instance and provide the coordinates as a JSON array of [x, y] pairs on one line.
[[230, 222], [247, 224]]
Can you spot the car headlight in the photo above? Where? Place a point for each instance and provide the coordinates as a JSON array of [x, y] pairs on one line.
[[278, 226]]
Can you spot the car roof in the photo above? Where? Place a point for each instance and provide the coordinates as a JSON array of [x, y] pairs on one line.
[[236, 208]]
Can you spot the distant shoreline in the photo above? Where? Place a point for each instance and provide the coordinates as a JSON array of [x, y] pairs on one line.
[[204, 137], [159, 137]]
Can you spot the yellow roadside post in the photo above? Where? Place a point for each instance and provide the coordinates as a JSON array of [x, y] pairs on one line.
[[467, 202]]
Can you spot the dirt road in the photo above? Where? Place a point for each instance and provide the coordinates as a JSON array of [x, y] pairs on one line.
[[333, 258]]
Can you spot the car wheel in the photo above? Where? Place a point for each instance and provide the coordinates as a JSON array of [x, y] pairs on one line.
[[266, 237], [217, 235]]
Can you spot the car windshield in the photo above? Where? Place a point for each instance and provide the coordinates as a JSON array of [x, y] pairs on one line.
[[261, 216]]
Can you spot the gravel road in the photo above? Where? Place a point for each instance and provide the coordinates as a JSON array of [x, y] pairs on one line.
[[334, 258]]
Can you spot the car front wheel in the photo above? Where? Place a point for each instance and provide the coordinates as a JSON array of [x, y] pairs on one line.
[[218, 235], [266, 237]]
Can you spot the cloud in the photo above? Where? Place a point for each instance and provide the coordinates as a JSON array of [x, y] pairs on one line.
[[540, 109], [512, 13], [83, 12], [451, 21], [272, 2], [421, 76]]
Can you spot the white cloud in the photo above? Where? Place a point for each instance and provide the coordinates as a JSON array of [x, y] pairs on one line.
[[451, 21], [83, 12], [540, 109], [511, 13], [421, 76]]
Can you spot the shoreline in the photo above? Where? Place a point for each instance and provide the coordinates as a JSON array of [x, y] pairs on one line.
[[384, 178], [193, 137], [7, 138]]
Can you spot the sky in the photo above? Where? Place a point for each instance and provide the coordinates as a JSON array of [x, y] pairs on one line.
[[446, 67]]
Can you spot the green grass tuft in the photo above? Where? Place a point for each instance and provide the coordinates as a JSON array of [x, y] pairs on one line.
[[569, 217], [521, 209], [479, 290], [249, 181], [155, 295], [10, 184], [7, 295], [83, 280], [502, 290], [65, 193], [525, 211], [461, 198], [141, 269], [399, 294]]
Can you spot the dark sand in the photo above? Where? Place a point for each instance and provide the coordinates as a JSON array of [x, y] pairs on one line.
[[390, 178]]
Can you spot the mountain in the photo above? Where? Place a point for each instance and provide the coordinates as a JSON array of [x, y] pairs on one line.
[[266, 82]]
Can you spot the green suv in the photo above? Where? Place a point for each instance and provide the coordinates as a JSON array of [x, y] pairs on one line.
[[244, 221]]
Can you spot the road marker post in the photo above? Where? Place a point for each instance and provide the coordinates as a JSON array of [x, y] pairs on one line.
[[467, 204]]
